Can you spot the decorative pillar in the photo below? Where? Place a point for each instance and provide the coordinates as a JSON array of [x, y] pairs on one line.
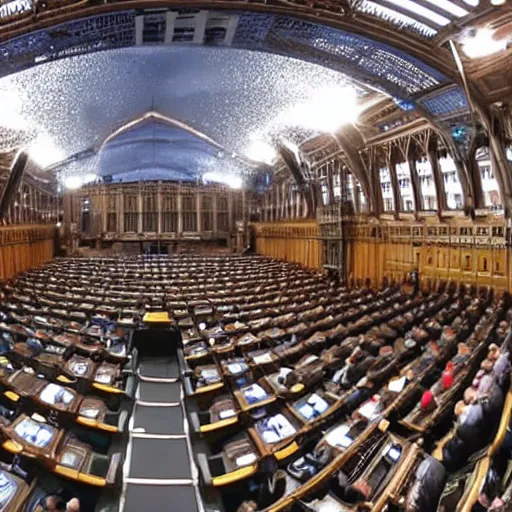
[[230, 210], [433, 158], [357, 196], [159, 203], [200, 27], [120, 209], [179, 204], [140, 210], [330, 185], [230, 31], [215, 209], [397, 196], [199, 227], [104, 208], [170, 21], [376, 187], [412, 156], [283, 200]]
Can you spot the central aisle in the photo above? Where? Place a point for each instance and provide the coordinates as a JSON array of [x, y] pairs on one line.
[[159, 470]]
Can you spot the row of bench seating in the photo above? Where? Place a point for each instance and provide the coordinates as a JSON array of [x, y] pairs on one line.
[[300, 393]]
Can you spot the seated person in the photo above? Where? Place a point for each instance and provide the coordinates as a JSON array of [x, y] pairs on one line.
[[449, 335], [333, 357], [355, 368], [477, 421]]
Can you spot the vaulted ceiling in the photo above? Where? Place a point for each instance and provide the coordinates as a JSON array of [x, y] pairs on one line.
[[232, 73]]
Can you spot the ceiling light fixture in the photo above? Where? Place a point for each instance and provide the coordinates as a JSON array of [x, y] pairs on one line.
[[76, 181], [44, 152], [260, 151], [230, 180], [480, 43], [327, 111]]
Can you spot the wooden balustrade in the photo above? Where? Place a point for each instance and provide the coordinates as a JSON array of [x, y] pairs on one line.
[[298, 242], [23, 247]]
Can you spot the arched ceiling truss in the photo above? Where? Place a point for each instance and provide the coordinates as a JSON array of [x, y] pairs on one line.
[[389, 52]]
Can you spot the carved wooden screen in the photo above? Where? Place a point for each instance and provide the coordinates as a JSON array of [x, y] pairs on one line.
[[189, 212], [169, 213], [222, 213], [149, 212], [111, 213], [131, 212], [207, 212]]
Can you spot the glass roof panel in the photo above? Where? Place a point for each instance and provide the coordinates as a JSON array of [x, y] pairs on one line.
[[449, 7], [414, 8], [397, 18]]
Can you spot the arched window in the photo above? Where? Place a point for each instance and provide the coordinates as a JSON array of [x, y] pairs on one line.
[[427, 185], [387, 189], [492, 197], [403, 174], [452, 185]]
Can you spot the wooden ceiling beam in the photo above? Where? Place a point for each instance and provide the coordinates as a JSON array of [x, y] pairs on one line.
[[363, 24]]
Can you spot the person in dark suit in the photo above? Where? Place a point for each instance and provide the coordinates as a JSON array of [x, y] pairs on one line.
[[415, 280]]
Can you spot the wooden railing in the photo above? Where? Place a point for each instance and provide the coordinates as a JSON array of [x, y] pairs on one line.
[[23, 247], [297, 242]]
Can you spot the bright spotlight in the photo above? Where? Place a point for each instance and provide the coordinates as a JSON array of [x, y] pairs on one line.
[[44, 152], [327, 110], [482, 43], [260, 151], [77, 181], [231, 180]]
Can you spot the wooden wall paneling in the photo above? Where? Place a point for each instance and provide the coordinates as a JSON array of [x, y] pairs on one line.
[[296, 242], [23, 247]]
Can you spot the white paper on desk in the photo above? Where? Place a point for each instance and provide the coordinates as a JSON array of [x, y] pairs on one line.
[[397, 385], [229, 413], [245, 460], [338, 437], [263, 358], [235, 368], [256, 391], [369, 410]]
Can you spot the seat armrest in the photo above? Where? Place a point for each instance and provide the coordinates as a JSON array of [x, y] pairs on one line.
[[123, 418], [189, 388], [130, 386], [114, 468], [204, 467], [195, 421], [184, 366]]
